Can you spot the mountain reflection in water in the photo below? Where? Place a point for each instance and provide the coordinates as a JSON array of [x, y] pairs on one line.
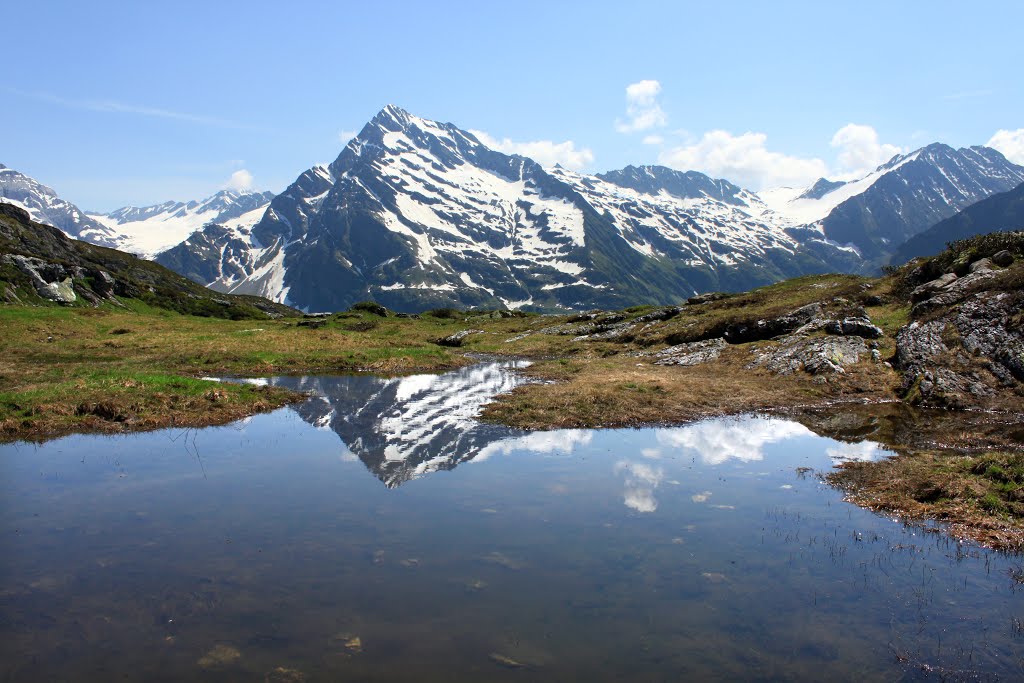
[[404, 427]]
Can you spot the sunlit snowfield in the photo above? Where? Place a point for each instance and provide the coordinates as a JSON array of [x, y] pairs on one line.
[[377, 532]]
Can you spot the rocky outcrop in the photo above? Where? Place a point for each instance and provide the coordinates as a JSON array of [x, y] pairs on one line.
[[693, 353], [39, 263], [740, 333], [860, 326], [966, 339]]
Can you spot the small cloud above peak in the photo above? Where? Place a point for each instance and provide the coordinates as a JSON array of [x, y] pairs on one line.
[[240, 181], [643, 112], [1010, 143], [345, 136], [860, 151]]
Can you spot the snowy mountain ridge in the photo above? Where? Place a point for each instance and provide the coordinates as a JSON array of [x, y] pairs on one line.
[[415, 213], [418, 214], [149, 230]]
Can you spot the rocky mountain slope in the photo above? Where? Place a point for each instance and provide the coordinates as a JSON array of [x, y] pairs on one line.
[[1000, 212], [40, 264], [45, 206]]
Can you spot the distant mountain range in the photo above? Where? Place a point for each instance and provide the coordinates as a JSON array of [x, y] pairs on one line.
[[418, 214], [141, 230]]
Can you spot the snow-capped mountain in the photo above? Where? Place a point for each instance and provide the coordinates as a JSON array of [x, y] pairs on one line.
[[146, 230], [45, 206], [901, 198], [149, 230], [417, 214]]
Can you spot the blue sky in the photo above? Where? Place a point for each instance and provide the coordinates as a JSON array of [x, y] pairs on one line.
[[137, 103]]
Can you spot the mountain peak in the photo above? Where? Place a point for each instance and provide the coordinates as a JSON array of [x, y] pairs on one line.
[[392, 112], [683, 184]]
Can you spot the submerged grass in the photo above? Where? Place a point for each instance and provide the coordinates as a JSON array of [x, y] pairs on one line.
[[980, 497]]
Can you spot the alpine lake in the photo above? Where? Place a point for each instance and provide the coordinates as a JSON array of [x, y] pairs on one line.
[[379, 532]]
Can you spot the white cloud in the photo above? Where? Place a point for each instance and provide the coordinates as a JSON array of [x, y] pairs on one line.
[[555, 441], [743, 159], [860, 152], [865, 451], [240, 180], [641, 480], [545, 152], [642, 109], [719, 440], [346, 135], [653, 140], [1010, 143]]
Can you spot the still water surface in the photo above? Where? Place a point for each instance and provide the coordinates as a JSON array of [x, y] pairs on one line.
[[378, 532]]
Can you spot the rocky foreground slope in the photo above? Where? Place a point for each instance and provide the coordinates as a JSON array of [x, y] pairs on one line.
[[39, 264]]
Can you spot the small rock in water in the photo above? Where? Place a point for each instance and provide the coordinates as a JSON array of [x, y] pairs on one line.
[[353, 644], [220, 655], [713, 577], [378, 557], [504, 661], [503, 560], [410, 562], [284, 675], [475, 585]]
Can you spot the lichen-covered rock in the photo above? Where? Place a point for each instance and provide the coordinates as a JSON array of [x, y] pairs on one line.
[[51, 281], [930, 289], [987, 336], [616, 331], [919, 344], [985, 326], [981, 264], [457, 339], [693, 353], [815, 355]]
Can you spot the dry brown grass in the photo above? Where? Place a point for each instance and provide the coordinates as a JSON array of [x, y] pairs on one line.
[[624, 391]]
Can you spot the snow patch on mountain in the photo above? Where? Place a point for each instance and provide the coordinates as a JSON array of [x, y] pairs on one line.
[[793, 205]]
